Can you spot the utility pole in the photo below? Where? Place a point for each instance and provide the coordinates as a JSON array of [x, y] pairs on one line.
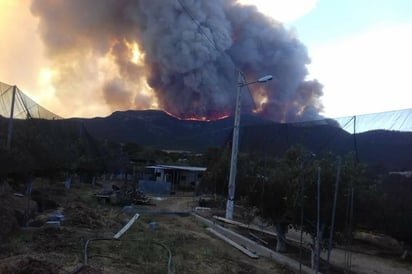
[[235, 141]]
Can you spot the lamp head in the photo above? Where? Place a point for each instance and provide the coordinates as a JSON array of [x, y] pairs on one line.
[[265, 78]]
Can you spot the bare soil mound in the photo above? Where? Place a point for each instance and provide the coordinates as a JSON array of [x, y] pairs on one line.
[[81, 215], [23, 265], [56, 239], [14, 211]]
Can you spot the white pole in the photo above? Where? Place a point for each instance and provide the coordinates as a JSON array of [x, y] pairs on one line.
[[317, 250], [335, 198], [233, 162]]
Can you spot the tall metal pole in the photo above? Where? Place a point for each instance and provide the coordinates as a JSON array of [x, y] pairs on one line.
[[335, 198], [302, 200], [10, 132], [317, 256], [233, 162]]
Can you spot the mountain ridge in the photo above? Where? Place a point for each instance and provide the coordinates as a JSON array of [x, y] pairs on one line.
[[159, 130]]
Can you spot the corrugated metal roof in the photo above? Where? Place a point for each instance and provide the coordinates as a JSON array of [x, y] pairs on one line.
[[187, 168]]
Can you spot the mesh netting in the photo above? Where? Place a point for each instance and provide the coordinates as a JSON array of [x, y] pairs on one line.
[[24, 106], [399, 120]]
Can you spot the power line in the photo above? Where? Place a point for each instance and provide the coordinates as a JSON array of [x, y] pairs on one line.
[[186, 10]]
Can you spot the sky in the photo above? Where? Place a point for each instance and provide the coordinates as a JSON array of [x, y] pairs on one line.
[[360, 52]]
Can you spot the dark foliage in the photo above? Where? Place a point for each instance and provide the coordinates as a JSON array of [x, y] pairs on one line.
[[48, 148], [388, 207]]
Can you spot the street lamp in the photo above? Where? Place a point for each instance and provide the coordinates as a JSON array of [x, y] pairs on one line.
[[233, 161]]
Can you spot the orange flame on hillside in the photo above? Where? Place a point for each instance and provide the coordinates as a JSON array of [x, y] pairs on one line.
[[200, 119]]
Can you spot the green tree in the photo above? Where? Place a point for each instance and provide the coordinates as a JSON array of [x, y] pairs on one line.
[[391, 212], [215, 179], [287, 194]]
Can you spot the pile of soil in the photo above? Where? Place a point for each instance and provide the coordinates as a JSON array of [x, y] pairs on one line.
[[81, 215], [28, 264], [56, 239], [13, 212], [86, 269]]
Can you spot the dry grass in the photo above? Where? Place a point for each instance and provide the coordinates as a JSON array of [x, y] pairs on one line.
[[60, 249], [193, 250]]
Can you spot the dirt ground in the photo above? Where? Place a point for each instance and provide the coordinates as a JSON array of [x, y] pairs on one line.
[[367, 258], [42, 248]]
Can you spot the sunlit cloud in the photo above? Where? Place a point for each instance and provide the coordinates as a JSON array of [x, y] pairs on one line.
[[21, 48], [28, 67], [136, 54], [23, 63], [350, 68], [46, 75]]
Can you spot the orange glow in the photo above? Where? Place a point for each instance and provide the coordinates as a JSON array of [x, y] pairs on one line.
[[224, 116], [261, 98], [204, 119], [46, 75], [137, 56], [146, 91], [301, 110], [200, 119], [260, 102]]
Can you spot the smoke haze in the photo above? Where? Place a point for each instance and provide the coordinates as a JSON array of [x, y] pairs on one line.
[[181, 56]]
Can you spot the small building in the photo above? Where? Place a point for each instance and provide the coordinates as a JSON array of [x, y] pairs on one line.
[[179, 177], [406, 174]]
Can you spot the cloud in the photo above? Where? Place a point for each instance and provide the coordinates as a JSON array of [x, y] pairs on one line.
[[23, 63], [190, 53], [20, 49], [281, 10], [77, 58]]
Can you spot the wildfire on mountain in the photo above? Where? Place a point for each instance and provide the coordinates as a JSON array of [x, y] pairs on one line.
[[179, 56]]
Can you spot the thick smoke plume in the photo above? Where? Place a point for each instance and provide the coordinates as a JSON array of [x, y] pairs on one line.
[[182, 56]]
